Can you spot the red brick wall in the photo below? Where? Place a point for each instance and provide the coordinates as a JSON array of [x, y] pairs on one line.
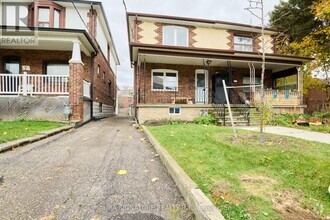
[[36, 59], [186, 75]]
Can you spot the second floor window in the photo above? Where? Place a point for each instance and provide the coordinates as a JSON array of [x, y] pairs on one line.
[[175, 36], [47, 14], [243, 43], [44, 17]]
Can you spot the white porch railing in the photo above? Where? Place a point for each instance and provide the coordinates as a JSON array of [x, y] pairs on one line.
[[34, 84], [277, 97]]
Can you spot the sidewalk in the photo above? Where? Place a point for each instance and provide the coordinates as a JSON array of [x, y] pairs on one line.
[[293, 132]]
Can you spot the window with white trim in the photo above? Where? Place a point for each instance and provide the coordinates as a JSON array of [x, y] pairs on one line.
[[246, 82], [243, 43], [174, 111], [166, 80], [175, 36]]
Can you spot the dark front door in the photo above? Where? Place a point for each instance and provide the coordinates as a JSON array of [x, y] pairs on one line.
[[11, 66], [217, 86]]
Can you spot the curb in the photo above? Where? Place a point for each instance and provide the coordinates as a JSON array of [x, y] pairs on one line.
[[42, 135], [197, 201]]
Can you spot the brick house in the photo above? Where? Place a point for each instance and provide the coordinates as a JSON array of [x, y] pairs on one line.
[[179, 65], [63, 60]]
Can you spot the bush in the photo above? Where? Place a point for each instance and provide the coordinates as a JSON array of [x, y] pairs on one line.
[[205, 120], [282, 119], [164, 121]]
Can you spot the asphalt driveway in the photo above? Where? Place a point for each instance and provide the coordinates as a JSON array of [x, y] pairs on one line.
[[74, 175]]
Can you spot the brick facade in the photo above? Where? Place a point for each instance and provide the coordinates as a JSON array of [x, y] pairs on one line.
[[37, 59], [186, 81]]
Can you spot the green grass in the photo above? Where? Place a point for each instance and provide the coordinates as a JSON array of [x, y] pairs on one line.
[[246, 180], [317, 128], [13, 130]]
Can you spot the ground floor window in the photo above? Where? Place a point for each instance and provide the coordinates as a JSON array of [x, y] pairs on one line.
[[164, 80], [246, 82], [174, 111], [57, 69], [286, 83]]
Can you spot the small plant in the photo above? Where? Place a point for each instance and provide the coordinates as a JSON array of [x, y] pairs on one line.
[[205, 120], [164, 121]]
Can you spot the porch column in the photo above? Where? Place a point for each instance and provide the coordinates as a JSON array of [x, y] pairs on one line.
[[76, 83], [300, 84]]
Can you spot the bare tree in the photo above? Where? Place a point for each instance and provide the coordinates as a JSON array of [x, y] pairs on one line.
[[256, 8]]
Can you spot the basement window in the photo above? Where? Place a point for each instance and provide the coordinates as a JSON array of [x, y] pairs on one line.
[[174, 111]]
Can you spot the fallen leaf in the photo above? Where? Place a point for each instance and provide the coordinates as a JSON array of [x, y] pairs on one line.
[[146, 171], [156, 155], [49, 178], [4, 133], [155, 179], [48, 217], [143, 139], [152, 160], [121, 172], [130, 137], [86, 139]]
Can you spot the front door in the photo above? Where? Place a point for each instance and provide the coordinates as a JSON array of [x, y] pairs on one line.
[[12, 67], [201, 89], [218, 91]]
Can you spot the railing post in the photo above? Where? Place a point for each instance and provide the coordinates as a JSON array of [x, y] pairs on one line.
[[24, 84], [175, 91]]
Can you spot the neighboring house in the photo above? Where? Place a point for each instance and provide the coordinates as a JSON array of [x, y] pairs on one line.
[[125, 101], [64, 60], [318, 99], [179, 65]]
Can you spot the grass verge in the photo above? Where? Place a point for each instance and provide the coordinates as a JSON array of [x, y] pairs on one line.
[[285, 178], [14, 130]]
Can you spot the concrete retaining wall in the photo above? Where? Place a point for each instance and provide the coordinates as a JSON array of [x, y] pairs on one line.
[[32, 108]]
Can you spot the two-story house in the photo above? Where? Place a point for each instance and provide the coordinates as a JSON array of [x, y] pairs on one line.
[[180, 63], [57, 58]]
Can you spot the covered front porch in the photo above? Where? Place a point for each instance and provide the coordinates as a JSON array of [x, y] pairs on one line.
[[173, 80], [46, 80]]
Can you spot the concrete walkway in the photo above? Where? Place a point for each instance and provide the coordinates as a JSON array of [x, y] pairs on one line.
[[293, 132], [74, 176]]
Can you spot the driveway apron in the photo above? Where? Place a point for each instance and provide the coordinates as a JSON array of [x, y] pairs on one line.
[[75, 175]]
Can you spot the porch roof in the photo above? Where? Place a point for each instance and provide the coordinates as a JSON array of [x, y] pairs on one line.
[[195, 56], [54, 39]]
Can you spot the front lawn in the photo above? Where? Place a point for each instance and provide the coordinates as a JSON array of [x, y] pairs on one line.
[[13, 130], [286, 178]]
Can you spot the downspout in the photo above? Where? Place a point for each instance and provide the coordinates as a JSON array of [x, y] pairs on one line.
[[93, 55]]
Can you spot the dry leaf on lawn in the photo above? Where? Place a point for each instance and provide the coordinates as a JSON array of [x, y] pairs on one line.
[[121, 172], [155, 179]]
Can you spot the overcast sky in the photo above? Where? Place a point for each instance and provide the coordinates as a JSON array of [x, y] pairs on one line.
[[226, 10]]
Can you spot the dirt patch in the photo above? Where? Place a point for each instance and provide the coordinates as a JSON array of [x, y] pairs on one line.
[[257, 185], [254, 140], [220, 190], [286, 203]]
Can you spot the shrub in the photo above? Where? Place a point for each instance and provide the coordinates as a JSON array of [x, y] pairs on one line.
[[164, 121], [205, 120], [282, 120]]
